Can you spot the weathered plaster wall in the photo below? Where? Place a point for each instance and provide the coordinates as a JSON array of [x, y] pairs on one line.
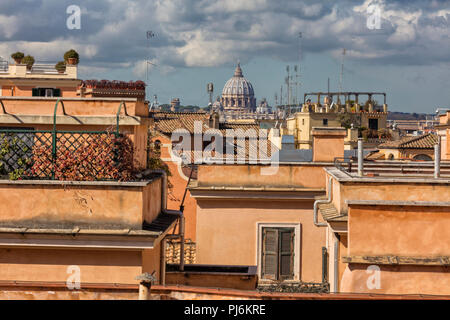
[[102, 205], [227, 232], [397, 280], [96, 266], [307, 176], [402, 230]]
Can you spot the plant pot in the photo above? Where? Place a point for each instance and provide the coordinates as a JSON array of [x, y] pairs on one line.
[[72, 61], [18, 61], [61, 71], [29, 67]]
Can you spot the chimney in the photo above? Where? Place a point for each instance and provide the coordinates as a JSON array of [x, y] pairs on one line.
[[445, 152], [214, 121], [328, 143]]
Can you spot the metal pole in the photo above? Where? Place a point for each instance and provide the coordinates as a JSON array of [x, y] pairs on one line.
[[437, 159], [360, 158], [182, 244], [145, 284], [162, 270]]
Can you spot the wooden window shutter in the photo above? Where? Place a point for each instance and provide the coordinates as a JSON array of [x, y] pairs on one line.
[[286, 250], [57, 92], [35, 92], [270, 254]]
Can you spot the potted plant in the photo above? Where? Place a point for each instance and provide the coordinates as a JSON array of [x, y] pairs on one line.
[[71, 57], [60, 66], [17, 56], [29, 61]]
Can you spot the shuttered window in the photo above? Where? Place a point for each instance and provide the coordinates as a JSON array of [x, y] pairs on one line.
[[278, 253], [46, 92]]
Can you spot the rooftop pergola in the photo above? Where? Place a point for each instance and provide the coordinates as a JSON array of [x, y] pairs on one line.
[[345, 94]]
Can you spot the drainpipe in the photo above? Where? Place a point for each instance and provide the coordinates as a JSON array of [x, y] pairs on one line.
[[180, 215], [162, 267], [336, 262], [437, 158], [360, 158], [317, 202]]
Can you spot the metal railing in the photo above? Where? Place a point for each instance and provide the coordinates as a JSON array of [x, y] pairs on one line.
[[54, 154], [58, 155], [47, 68], [4, 65], [344, 164]]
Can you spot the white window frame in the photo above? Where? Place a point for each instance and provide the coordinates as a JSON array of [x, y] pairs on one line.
[[297, 246]]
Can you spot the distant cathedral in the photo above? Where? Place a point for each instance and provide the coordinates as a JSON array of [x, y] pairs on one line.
[[238, 94]]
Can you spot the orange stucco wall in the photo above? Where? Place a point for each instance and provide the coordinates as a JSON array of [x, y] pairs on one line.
[[44, 106], [227, 232], [397, 280], [388, 191], [81, 205], [326, 148], [26, 293], [26, 91], [175, 194], [151, 261], [96, 266], [306, 176], [402, 230], [399, 231]]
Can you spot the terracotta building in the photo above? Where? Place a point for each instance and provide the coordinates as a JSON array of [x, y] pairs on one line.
[[165, 123], [97, 235], [415, 148], [246, 216], [40, 81], [387, 230], [331, 113]]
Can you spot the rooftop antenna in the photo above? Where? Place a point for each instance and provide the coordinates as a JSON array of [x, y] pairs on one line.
[[287, 80], [328, 86], [300, 54], [281, 95], [149, 35], [341, 78], [210, 90]]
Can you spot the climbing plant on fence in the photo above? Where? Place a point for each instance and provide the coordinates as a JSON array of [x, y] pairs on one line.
[[66, 155]]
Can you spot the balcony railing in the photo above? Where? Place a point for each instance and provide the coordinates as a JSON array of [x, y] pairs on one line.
[[61, 155], [44, 67], [4, 65], [26, 153]]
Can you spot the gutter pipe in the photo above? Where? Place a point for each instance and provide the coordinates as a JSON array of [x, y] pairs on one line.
[[317, 202], [180, 215]]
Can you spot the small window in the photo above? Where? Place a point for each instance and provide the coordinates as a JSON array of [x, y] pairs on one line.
[[373, 124], [277, 253], [46, 92], [303, 122], [325, 122]]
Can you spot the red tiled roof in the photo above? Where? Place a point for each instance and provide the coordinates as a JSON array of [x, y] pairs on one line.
[[167, 122], [426, 141]]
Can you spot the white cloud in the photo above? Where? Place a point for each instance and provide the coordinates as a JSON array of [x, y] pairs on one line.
[[8, 25], [217, 32]]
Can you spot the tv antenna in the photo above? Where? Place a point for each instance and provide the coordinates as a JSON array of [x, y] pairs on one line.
[[298, 76], [149, 35], [341, 77]]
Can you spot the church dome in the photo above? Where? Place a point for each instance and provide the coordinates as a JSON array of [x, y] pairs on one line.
[[238, 94], [238, 85]]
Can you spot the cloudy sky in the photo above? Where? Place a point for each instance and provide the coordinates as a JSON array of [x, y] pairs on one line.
[[199, 41]]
